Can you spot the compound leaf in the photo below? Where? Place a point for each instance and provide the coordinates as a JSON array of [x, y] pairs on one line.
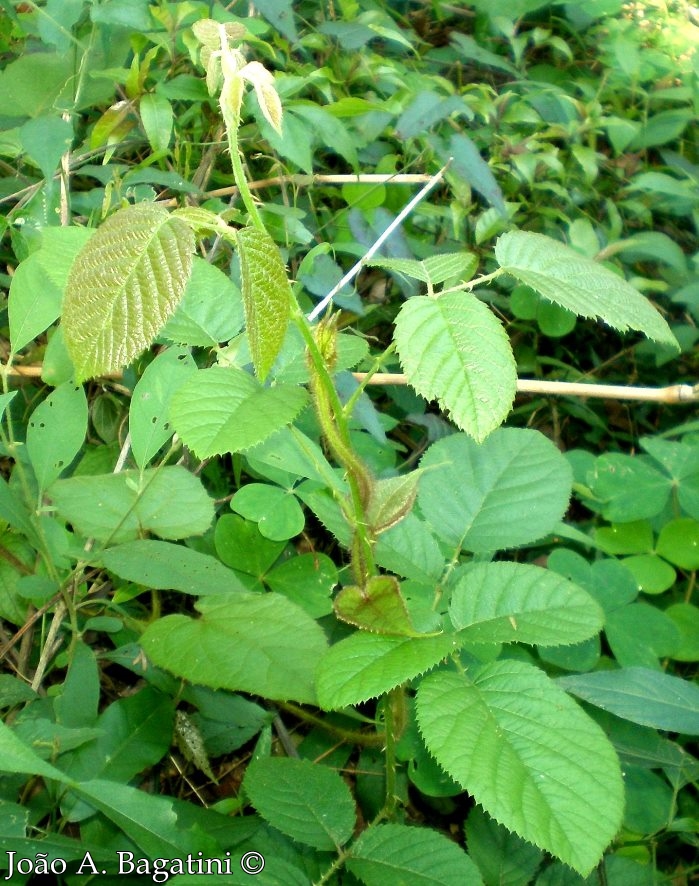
[[124, 284], [454, 350]]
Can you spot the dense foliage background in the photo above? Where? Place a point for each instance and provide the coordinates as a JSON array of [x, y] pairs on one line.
[[572, 120]]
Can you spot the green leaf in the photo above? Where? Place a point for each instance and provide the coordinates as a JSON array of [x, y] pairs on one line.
[[165, 566], [240, 545], [266, 296], [653, 575], [503, 858], [149, 413], [46, 139], [280, 14], [307, 580], [644, 696], [395, 853], [532, 759], [508, 491], [78, 702], [468, 164], [211, 310], [629, 487], [433, 270], [579, 284], [223, 409], [455, 350], [36, 288], [170, 501], [411, 550], [156, 116], [56, 432], [639, 634], [310, 803], [392, 500], [149, 820], [378, 606], [678, 542], [686, 619], [364, 665], [257, 643], [123, 286], [16, 756], [276, 511], [517, 603]]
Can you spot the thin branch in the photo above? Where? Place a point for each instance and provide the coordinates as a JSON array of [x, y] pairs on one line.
[[671, 394], [402, 215]]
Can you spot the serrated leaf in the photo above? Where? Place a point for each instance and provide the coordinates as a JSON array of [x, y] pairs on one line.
[[528, 755], [165, 566], [223, 409], [258, 643], [170, 501], [149, 418], [508, 491], [124, 284], [395, 853], [266, 296], [391, 500], [378, 606], [519, 603], [432, 270], [56, 431], [644, 696], [579, 284], [310, 803], [365, 665], [454, 350]]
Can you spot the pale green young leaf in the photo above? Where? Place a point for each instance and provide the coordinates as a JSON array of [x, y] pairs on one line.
[[166, 566], [433, 270], [36, 288], [266, 92], [223, 409], [56, 431], [266, 296], [508, 491], [396, 853], [258, 643], [528, 754], [579, 284], [519, 603], [307, 802], [149, 413], [170, 501], [124, 285], [392, 500], [454, 350], [364, 665]]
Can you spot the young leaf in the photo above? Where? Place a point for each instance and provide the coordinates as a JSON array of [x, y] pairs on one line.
[[455, 350], [378, 606], [149, 412], [579, 284], [395, 853], [432, 270], [528, 755], [123, 286], [518, 603], [258, 643], [56, 431], [310, 803], [364, 665], [223, 409], [169, 501], [266, 296], [510, 490], [391, 501]]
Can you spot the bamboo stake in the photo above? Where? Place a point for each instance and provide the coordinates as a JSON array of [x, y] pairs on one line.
[[671, 394]]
